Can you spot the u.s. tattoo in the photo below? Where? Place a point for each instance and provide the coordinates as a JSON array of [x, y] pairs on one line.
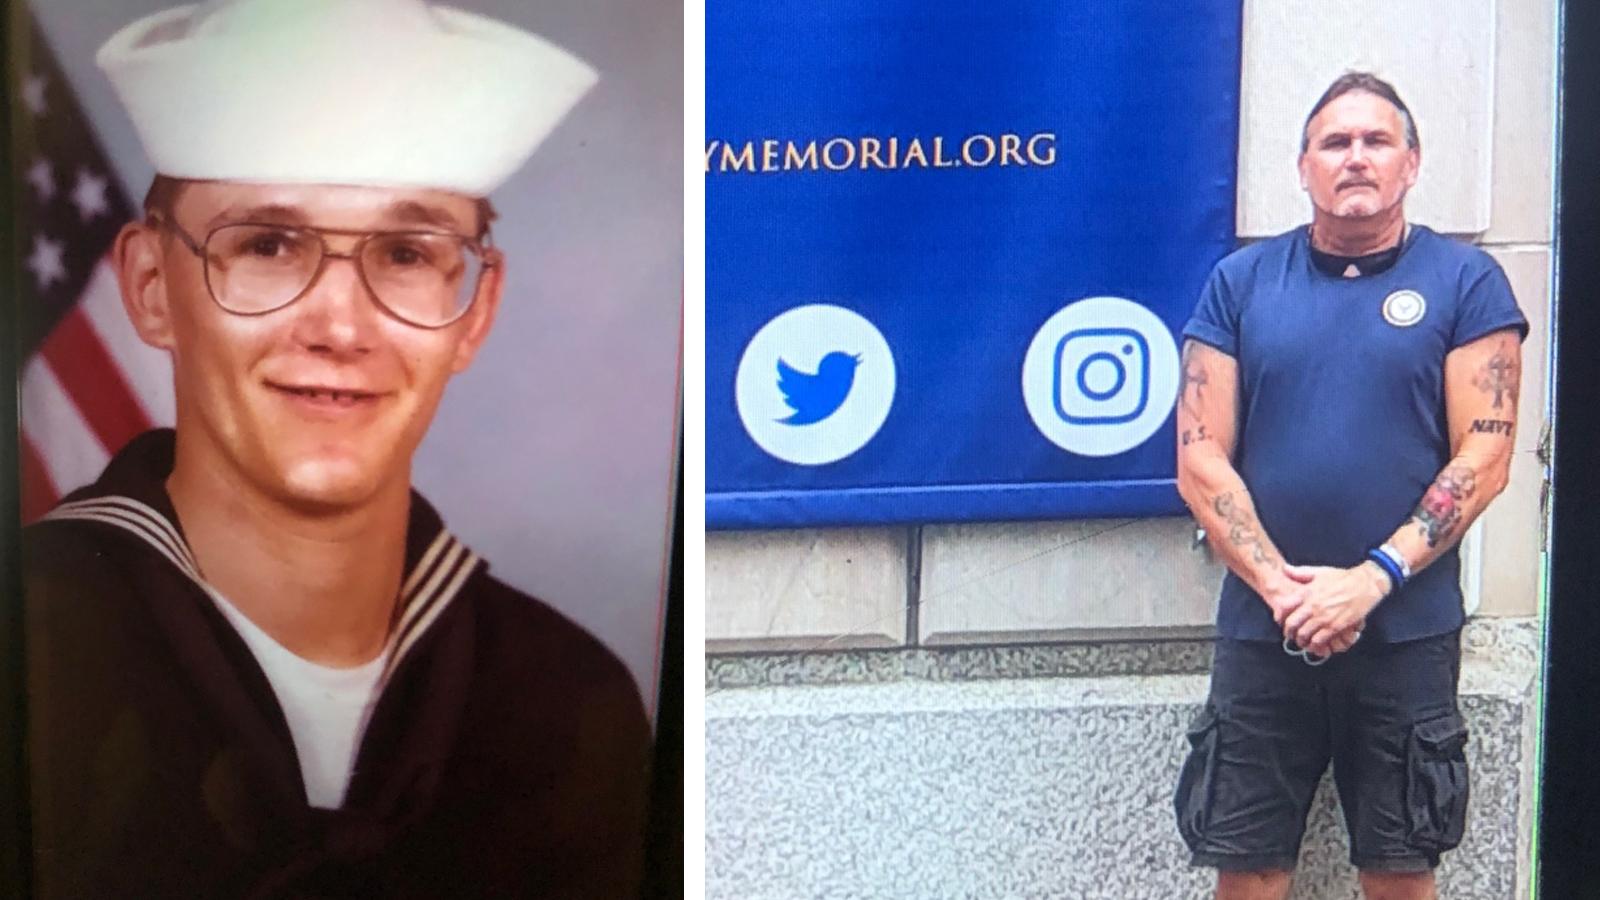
[[1195, 435], [1499, 376], [1243, 528], [1439, 513]]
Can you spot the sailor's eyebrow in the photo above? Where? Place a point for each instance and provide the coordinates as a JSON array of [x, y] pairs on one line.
[[276, 213], [413, 212], [402, 212]]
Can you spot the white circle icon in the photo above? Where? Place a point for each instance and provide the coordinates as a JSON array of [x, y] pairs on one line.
[[1101, 376], [814, 384], [1403, 309]]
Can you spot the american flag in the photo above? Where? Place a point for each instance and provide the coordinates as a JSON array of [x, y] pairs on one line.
[[88, 383]]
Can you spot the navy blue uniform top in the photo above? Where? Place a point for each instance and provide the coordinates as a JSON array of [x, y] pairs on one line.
[[506, 754], [1341, 415]]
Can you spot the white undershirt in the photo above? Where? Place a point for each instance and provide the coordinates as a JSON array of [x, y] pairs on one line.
[[327, 707]]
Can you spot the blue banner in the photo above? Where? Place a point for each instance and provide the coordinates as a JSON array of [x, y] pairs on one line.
[[948, 251]]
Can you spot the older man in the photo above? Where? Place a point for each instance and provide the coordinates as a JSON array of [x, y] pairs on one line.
[[1348, 407], [259, 665]]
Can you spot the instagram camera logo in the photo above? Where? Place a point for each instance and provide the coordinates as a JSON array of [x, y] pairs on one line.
[[1101, 376]]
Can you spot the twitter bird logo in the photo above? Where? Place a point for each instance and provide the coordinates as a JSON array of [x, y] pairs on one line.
[[816, 397]]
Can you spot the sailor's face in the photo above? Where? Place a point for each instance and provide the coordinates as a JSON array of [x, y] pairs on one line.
[[321, 403], [1356, 163]]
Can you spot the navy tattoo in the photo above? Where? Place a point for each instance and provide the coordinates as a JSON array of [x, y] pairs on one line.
[[1491, 426]]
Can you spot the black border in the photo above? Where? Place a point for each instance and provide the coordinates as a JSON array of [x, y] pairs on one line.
[[15, 851], [664, 851], [1569, 811]]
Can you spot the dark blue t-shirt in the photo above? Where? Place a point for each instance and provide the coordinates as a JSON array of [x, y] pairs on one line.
[[1342, 423]]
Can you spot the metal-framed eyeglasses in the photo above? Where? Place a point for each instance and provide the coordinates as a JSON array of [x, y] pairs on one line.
[[427, 279]]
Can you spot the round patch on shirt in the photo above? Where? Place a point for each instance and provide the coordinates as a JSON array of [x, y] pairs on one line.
[[1403, 309]]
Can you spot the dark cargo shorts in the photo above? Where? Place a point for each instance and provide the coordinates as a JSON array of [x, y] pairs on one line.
[[1385, 714]]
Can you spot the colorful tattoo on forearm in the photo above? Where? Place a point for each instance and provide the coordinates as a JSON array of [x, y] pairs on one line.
[[1440, 511], [1244, 530]]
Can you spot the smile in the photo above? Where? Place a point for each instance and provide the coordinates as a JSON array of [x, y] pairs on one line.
[[326, 396]]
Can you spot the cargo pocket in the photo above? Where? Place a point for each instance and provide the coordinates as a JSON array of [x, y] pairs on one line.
[[1196, 782], [1436, 783]]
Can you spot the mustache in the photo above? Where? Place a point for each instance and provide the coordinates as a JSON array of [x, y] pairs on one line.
[[1355, 182]]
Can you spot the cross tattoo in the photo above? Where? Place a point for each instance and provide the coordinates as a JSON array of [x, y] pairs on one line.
[[1498, 380], [1195, 374]]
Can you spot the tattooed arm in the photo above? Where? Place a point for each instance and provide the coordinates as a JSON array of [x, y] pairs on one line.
[[1211, 486], [1480, 391]]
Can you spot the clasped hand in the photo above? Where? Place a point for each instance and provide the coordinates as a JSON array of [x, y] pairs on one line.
[[1322, 608]]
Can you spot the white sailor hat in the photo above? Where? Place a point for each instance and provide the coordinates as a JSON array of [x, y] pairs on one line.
[[392, 93]]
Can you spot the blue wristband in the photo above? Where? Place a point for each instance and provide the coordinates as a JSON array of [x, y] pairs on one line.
[[1389, 567]]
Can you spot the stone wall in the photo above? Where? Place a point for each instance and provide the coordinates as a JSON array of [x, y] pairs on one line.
[[955, 773]]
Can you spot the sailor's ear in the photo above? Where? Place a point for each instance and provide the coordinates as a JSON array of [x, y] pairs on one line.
[[140, 264], [480, 318]]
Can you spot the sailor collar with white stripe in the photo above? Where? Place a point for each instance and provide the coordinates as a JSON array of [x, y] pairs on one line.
[[131, 495]]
